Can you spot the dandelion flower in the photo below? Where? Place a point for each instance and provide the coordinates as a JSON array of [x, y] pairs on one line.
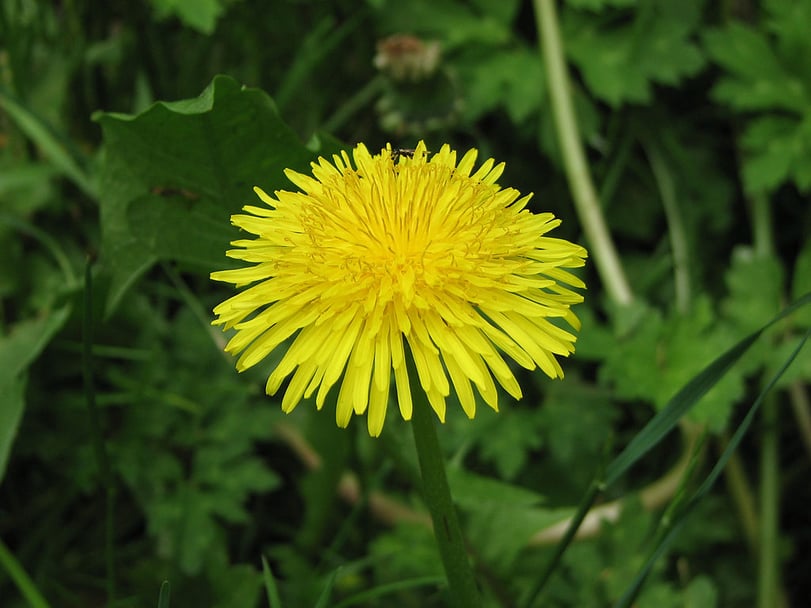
[[380, 258]]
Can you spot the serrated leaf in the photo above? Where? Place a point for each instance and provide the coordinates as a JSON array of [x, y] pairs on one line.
[[757, 77], [776, 149], [454, 23], [622, 63], [513, 79], [509, 442], [662, 354], [173, 175], [755, 285], [767, 70]]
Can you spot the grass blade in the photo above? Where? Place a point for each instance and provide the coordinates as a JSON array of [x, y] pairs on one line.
[[43, 137], [664, 422], [270, 585], [163, 597], [659, 426], [680, 517], [326, 593], [17, 573]]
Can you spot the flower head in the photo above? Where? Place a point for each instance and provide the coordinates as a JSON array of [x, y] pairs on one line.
[[378, 259]]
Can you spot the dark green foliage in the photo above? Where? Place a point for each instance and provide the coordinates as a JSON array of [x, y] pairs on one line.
[[120, 144]]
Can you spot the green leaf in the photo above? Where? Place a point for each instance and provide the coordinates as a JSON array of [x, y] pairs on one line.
[[596, 5], [173, 175], [801, 283], [688, 396], [776, 149], [768, 71], [662, 354], [677, 520], [509, 441], [164, 596], [472, 491], [757, 78], [18, 349], [511, 78], [755, 290], [701, 593], [755, 285], [456, 24], [502, 10], [621, 64], [501, 517], [270, 585], [60, 153], [200, 15]]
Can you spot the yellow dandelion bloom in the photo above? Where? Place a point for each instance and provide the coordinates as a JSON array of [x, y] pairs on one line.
[[397, 255]]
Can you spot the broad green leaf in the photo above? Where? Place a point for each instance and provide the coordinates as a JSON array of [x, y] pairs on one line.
[[173, 175]]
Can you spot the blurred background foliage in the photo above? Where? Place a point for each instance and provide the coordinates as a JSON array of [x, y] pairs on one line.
[[696, 117]]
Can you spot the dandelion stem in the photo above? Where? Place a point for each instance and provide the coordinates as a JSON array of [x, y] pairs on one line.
[[587, 205], [437, 494]]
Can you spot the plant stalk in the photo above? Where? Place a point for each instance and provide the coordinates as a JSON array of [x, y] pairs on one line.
[[437, 494], [586, 202], [768, 558]]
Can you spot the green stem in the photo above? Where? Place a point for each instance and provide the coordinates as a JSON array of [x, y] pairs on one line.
[[360, 100], [741, 493], [675, 226], [587, 205], [95, 431], [437, 494], [768, 570], [762, 225], [801, 406], [20, 577]]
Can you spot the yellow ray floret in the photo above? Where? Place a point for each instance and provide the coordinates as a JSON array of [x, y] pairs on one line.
[[381, 259]]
